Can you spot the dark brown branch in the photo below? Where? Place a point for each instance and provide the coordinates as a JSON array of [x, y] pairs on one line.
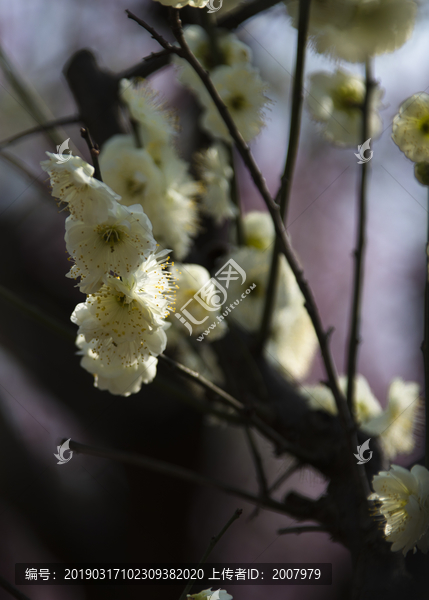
[[150, 64], [283, 195], [174, 471], [359, 253], [246, 412], [274, 209]]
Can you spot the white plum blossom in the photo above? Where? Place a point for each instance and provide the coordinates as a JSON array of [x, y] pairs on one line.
[[394, 425], [403, 500], [73, 183], [366, 405], [354, 30], [162, 187], [397, 422], [125, 319], [335, 101], [410, 129], [211, 595], [117, 244], [231, 51], [157, 124], [216, 174], [131, 171], [243, 92], [119, 380], [190, 279]]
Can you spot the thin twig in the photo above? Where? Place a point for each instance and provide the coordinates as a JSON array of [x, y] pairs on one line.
[[302, 529], [93, 150], [39, 129], [425, 347], [237, 514], [283, 195], [259, 467], [359, 254], [175, 471], [277, 483], [149, 64]]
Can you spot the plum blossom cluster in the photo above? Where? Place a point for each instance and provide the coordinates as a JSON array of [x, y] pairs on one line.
[[352, 31], [238, 83], [144, 168], [129, 291], [395, 425]]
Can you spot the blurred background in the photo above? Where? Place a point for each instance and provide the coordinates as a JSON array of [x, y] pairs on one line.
[[95, 510]]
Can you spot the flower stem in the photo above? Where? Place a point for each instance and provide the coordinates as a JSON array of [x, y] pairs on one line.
[[235, 198], [359, 253], [283, 195], [237, 514]]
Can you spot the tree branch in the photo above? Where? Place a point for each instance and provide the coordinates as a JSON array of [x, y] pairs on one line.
[[355, 316], [302, 529], [13, 591], [175, 471], [425, 347], [237, 514], [283, 195]]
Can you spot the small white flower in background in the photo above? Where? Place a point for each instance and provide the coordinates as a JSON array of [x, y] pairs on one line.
[[292, 343], [216, 173], [335, 101], [231, 52], [258, 229], [396, 423], [353, 30], [161, 188], [403, 500], [210, 595], [118, 244], [118, 380], [366, 404], [243, 91], [176, 4], [410, 129], [157, 124], [189, 279], [73, 183]]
